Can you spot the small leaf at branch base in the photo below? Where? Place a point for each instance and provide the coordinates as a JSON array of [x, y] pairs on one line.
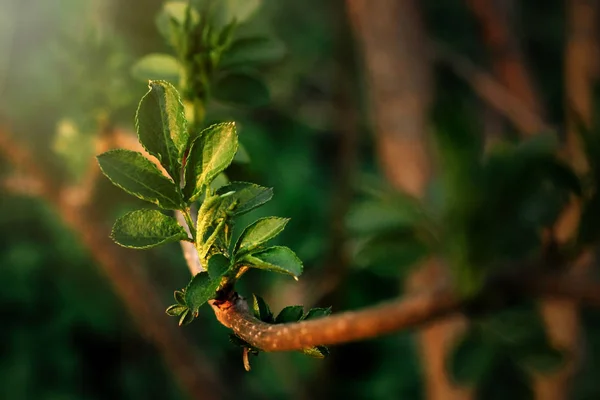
[[179, 297], [242, 90], [252, 50], [289, 314], [136, 175], [210, 154], [262, 310], [277, 259], [218, 265], [157, 66], [144, 229], [318, 312], [175, 310], [471, 359], [258, 233], [162, 127], [247, 197], [186, 317], [317, 352], [200, 289]]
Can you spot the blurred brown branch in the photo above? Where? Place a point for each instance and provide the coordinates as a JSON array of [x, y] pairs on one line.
[[128, 278]]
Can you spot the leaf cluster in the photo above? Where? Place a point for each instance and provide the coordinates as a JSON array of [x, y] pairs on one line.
[[183, 171]]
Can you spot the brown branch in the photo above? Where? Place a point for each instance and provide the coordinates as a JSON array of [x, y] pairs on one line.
[[129, 280], [406, 313]]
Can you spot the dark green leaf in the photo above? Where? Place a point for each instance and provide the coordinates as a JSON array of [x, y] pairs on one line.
[[218, 265], [135, 174], [157, 67], [277, 259], [372, 216], [143, 229], [247, 197], [262, 310], [317, 352], [252, 51], [258, 233], [162, 127], [318, 312], [186, 317], [179, 297], [289, 314], [238, 341], [210, 154], [241, 90], [540, 358], [176, 310], [200, 289], [471, 359]]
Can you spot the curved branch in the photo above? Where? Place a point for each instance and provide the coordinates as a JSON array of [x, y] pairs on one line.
[[392, 316]]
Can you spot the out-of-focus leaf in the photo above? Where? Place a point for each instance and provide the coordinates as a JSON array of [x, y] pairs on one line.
[[144, 229], [135, 174], [471, 359], [162, 127], [157, 66], [317, 312], [241, 89], [252, 50], [373, 216]]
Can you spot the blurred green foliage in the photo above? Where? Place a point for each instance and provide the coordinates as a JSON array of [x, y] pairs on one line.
[[66, 69]]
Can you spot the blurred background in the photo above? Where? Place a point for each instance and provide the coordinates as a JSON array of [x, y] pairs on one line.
[[348, 99]]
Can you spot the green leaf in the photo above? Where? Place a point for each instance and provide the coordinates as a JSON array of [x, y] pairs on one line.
[[210, 154], [229, 10], [258, 233], [186, 317], [262, 310], [176, 310], [241, 89], [540, 358], [289, 314], [247, 197], [238, 341], [317, 352], [161, 126], [179, 297], [200, 289], [242, 156], [277, 259], [135, 174], [318, 312], [471, 359], [252, 51], [157, 66], [218, 265], [144, 229]]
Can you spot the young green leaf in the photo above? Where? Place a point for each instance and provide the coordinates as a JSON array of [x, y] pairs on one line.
[[262, 310], [247, 197], [277, 259], [289, 314], [157, 66], [143, 229], [200, 289], [218, 265], [210, 154], [179, 297], [162, 127], [241, 89], [135, 174], [258, 233], [317, 352]]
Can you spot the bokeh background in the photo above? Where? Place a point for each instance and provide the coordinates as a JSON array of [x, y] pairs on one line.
[[83, 319]]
